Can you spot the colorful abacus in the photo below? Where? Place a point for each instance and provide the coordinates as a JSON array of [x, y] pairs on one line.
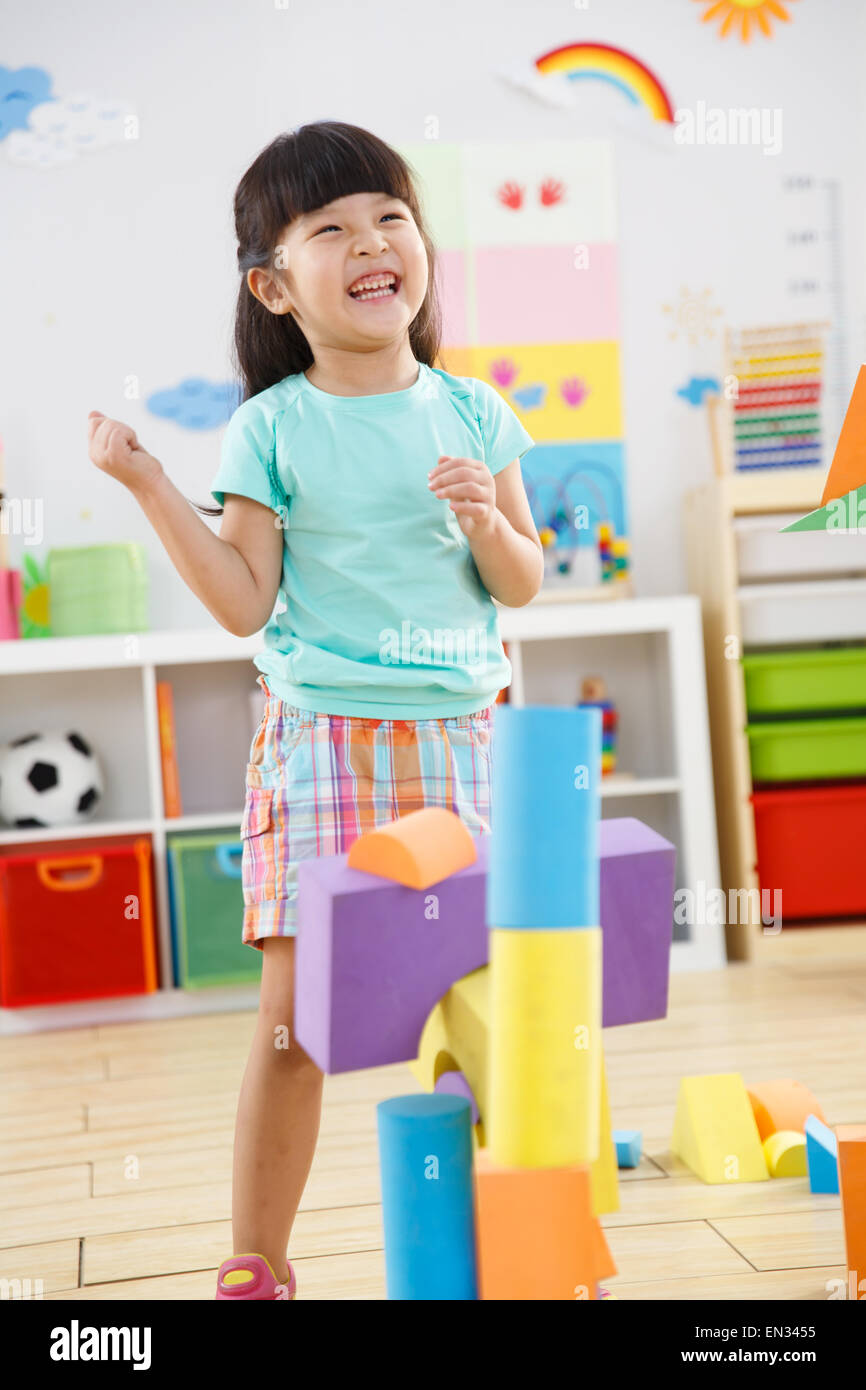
[[772, 399]]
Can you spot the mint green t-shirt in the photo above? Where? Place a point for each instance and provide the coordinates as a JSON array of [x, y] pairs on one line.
[[385, 612]]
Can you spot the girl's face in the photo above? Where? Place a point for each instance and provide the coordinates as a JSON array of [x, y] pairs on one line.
[[327, 252]]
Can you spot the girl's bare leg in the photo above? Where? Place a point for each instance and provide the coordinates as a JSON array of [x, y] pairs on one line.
[[277, 1125]]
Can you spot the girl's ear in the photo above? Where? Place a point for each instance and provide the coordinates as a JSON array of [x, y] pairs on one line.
[[268, 291]]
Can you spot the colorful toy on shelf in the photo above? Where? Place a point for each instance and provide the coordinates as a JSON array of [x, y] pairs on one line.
[[11, 599], [593, 695], [620, 549], [48, 779], [605, 550], [10, 580], [98, 589], [35, 611], [613, 552]]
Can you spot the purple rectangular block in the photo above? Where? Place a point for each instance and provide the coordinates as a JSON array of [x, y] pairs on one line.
[[373, 957], [637, 920]]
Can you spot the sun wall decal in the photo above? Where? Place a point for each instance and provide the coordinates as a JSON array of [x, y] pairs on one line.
[[745, 15], [692, 316]]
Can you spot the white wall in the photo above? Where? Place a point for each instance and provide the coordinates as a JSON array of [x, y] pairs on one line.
[[121, 263]]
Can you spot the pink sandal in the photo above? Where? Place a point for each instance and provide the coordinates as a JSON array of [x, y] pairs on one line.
[[251, 1276]]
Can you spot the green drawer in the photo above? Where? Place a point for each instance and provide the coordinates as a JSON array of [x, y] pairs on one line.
[[790, 750], [823, 679], [207, 909]]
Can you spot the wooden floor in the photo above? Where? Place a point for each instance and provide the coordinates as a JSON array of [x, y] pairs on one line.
[[81, 1110]]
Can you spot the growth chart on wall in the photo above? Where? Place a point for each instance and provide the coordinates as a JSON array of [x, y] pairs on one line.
[[528, 276]]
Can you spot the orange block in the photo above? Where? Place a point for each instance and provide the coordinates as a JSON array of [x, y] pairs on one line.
[[535, 1233], [417, 850], [852, 1190], [782, 1105], [848, 469], [604, 1261]]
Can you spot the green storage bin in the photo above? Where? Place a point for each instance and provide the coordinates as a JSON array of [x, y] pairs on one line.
[[792, 750], [207, 910], [97, 589], [824, 678]]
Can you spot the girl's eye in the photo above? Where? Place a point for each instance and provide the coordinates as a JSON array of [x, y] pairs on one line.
[[332, 227]]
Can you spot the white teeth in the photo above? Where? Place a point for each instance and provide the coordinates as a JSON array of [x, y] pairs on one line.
[[376, 289], [377, 294]]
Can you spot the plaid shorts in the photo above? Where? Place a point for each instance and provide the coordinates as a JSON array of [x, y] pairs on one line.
[[315, 782]]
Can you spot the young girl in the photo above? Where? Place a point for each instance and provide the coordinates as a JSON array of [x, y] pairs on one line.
[[381, 499]]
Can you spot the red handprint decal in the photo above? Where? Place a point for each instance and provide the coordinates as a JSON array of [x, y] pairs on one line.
[[511, 195], [551, 191]]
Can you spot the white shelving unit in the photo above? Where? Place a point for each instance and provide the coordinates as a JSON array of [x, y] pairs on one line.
[[760, 589], [649, 650]]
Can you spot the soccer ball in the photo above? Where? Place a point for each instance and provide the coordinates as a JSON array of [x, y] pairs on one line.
[[48, 779]]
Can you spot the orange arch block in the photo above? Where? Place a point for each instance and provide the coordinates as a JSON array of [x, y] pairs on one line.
[[780, 1105], [417, 850]]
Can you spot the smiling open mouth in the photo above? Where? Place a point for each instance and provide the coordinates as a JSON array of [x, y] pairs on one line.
[[369, 287]]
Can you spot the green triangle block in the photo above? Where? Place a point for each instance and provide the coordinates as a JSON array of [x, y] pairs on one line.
[[842, 515]]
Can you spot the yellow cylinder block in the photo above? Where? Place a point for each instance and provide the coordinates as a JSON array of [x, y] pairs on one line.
[[545, 1046]]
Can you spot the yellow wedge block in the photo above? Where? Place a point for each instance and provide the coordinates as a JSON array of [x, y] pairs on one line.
[[603, 1171], [715, 1132], [785, 1153], [545, 1046]]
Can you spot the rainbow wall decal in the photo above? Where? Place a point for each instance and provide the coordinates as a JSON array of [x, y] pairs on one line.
[[614, 65]]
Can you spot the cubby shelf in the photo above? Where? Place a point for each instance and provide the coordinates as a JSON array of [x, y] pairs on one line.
[[649, 649], [804, 588]]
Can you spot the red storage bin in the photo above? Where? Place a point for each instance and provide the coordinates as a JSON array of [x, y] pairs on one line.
[[67, 930], [810, 845]]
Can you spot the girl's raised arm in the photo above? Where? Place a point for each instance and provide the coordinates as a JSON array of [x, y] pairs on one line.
[[236, 574]]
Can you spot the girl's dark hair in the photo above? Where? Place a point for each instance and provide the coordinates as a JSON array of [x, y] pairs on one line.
[[297, 173]]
